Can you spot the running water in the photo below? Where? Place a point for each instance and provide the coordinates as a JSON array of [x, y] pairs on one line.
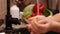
[[37, 7]]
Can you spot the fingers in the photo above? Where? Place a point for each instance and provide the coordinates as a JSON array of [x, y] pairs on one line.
[[28, 26], [34, 26], [42, 22], [32, 32], [38, 24], [40, 27], [39, 17]]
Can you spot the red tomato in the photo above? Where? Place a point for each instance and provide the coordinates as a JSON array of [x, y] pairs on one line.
[[41, 8], [34, 14]]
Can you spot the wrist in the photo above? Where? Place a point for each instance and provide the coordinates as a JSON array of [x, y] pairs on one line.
[[51, 25], [55, 26]]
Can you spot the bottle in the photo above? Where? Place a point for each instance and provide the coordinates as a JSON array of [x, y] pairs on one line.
[[14, 11]]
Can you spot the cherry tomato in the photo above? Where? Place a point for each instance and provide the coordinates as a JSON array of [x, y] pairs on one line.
[[41, 8], [34, 14]]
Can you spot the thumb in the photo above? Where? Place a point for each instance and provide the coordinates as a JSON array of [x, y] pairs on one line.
[[42, 22]]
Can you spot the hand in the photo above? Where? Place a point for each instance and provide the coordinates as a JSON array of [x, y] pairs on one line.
[[39, 27], [31, 30]]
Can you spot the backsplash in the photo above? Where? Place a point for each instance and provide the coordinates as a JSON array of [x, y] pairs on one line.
[[2, 9]]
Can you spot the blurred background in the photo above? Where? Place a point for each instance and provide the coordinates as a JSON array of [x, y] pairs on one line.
[[51, 4]]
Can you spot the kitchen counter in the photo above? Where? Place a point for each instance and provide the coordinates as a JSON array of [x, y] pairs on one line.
[[20, 29]]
